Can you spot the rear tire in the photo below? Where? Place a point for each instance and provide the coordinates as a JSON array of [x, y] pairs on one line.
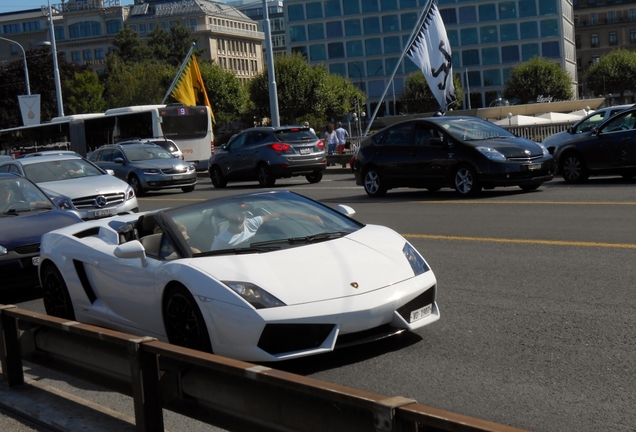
[[265, 176], [183, 320], [57, 301], [314, 177], [218, 179], [465, 181], [573, 168], [374, 184]]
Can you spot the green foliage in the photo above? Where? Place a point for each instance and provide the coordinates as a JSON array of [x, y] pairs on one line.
[[538, 77], [84, 94], [418, 98], [614, 73], [129, 47]]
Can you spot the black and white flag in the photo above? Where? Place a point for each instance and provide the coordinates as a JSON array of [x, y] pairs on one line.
[[431, 52]]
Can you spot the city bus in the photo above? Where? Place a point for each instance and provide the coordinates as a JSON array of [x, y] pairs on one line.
[[190, 127]]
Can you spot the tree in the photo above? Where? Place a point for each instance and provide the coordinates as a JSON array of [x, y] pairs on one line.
[[129, 47], [538, 77], [614, 73], [181, 41], [418, 98], [85, 94]]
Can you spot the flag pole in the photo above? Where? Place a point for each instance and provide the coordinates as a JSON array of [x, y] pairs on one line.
[[176, 77], [397, 65]]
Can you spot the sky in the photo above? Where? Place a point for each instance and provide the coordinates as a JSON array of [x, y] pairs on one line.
[[18, 5]]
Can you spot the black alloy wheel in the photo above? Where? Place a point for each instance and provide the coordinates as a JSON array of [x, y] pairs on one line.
[[183, 320], [265, 176], [465, 181], [314, 177], [374, 184], [136, 185], [57, 301], [573, 168], [218, 179]]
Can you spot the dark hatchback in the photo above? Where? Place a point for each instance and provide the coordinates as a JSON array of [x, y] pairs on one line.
[[26, 213], [609, 148], [268, 153], [464, 153]]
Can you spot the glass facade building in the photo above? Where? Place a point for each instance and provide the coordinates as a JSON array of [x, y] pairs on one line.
[[364, 40]]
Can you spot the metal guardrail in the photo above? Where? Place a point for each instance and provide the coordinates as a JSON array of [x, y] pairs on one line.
[[227, 393], [538, 132]]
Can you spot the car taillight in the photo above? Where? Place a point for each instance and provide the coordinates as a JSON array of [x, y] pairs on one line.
[[281, 147], [320, 144]]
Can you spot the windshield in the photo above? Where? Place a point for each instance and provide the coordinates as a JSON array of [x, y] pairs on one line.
[[473, 129], [65, 169], [148, 152], [18, 195], [258, 223]]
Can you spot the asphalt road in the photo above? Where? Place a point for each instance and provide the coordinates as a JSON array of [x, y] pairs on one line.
[[536, 294]]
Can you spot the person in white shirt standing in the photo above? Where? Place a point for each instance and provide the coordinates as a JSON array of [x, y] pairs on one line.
[[341, 134], [306, 124]]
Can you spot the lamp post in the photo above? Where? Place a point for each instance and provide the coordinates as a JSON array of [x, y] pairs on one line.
[[26, 69], [56, 71]]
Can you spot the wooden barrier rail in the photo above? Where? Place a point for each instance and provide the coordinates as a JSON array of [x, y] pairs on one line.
[[227, 393]]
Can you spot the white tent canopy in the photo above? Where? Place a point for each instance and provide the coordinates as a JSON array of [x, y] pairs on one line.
[[521, 120], [582, 112], [560, 117]]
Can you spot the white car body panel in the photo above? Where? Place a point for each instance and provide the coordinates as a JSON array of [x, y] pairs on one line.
[[315, 281]]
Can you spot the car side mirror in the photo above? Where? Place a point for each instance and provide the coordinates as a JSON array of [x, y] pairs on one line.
[[131, 249], [119, 160], [346, 210], [570, 129], [110, 172], [224, 147]]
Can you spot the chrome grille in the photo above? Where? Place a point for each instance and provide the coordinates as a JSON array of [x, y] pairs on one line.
[[525, 159], [112, 200], [175, 170]]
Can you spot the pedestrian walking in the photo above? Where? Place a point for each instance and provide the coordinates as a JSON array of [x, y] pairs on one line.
[[331, 139], [342, 135]]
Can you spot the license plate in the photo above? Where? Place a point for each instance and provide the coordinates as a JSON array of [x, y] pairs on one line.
[[35, 261], [532, 167], [177, 177], [421, 313], [305, 151], [102, 213]]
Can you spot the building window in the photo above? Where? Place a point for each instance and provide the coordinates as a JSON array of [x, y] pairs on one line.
[[369, 5], [296, 12], [453, 38], [490, 56], [529, 50], [356, 70], [527, 8], [529, 30], [76, 56], [317, 53], [351, 8], [390, 64], [632, 14], [509, 32], [336, 50], [487, 12], [593, 19], [467, 15], [611, 17], [353, 27], [332, 8], [492, 77], [143, 29], [314, 10], [338, 69], [354, 48], [392, 44], [371, 25], [551, 49], [449, 16], [316, 31], [59, 33], [87, 55], [577, 41], [548, 7], [549, 28], [469, 36], [390, 23], [373, 46], [31, 26], [387, 5], [334, 29], [375, 67], [594, 40], [297, 33], [507, 10], [99, 54], [408, 20], [613, 38], [470, 57], [510, 53], [632, 36], [11, 28]]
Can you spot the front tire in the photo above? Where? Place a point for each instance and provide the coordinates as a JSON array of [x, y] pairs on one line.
[[183, 320], [57, 301], [136, 185], [265, 176], [314, 177], [573, 168], [218, 179], [465, 181], [374, 184]]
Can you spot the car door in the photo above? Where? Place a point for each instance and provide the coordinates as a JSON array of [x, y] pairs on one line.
[[394, 155], [613, 146], [430, 156], [256, 149], [231, 158]]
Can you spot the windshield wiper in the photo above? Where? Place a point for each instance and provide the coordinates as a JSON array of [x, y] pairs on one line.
[[315, 238], [239, 251]]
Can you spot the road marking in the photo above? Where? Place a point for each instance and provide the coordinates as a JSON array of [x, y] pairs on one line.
[[530, 202], [522, 241]]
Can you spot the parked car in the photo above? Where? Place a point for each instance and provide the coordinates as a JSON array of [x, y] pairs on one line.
[[146, 167], [164, 143], [49, 153], [585, 125], [177, 275], [464, 153], [26, 213], [606, 149], [5, 158], [268, 153], [76, 185]]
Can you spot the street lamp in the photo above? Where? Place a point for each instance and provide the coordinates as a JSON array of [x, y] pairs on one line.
[[56, 71], [26, 69]]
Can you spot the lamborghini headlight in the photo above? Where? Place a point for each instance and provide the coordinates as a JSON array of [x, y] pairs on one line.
[[255, 295], [3, 251], [416, 261]]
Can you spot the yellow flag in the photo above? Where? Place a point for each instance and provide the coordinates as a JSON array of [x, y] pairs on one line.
[[190, 90]]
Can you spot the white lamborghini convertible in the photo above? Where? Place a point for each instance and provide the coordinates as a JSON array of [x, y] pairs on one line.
[[262, 277]]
